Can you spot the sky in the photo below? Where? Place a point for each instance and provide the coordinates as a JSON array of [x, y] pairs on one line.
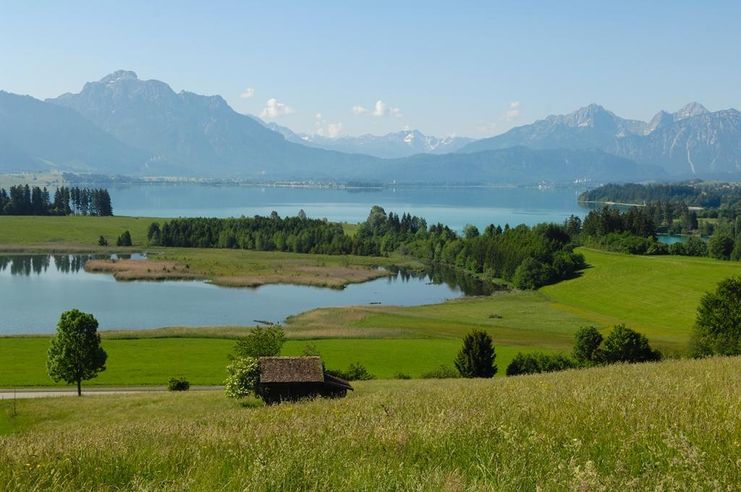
[[347, 67]]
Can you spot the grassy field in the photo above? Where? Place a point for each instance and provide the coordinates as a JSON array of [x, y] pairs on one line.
[[152, 361], [655, 295], [667, 426], [70, 233]]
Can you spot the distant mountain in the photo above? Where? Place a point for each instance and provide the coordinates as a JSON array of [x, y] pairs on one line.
[[518, 165], [122, 125], [389, 146], [190, 134], [38, 136], [590, 127], [691, 141]]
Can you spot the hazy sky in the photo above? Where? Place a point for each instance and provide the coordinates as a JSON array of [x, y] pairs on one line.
[[464, 68]]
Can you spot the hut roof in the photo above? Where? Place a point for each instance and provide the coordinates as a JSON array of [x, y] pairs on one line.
[[291, 370]]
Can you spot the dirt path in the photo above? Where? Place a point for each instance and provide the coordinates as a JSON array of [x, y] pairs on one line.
[[24, 393]]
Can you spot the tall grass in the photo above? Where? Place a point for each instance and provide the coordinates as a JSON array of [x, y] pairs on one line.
[[667, 426]]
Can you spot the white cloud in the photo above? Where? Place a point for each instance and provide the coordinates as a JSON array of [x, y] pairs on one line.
[[380, 109], [274, 109], [505, 121], [325, 129], [334, 130], [248, 93], [513, 112]]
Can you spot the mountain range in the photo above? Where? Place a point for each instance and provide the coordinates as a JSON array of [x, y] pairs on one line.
[[690, 142], [121, 125], [390, 146]]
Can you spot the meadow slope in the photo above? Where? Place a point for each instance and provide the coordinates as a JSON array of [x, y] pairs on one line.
[[665, 426]]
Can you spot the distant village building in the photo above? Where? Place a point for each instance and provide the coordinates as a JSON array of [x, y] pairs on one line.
[[294, 378]]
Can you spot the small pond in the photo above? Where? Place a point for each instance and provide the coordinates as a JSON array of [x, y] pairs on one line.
[[36, 289]]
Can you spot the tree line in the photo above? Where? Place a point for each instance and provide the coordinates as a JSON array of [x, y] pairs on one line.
[[634, 231], [527, 256], [695, 193], [26, 200]]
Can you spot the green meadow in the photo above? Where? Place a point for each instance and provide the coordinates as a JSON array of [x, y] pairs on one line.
[[152, 361], [655, 295], [664, 426]]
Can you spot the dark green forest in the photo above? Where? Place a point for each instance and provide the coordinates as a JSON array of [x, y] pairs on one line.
[[26, 200], [724, 196], [527, 256]]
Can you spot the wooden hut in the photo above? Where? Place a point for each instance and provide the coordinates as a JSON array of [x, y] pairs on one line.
[[295, 378]]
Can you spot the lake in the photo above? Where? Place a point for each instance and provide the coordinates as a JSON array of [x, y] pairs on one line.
[[36, 289], [454, 207]]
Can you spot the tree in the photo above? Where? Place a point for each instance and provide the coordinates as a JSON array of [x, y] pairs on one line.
[[153, 234], [470, 231], [476, 358], [531, 274], [75, 354], [261, 342], [626, 345], [720, 245], [718, 323], [102, 241], [124, 239], [586, 345]]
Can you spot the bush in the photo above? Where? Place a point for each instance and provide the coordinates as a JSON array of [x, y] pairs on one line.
[[442, 372], [356, 372], [476, 358], [626, 345], [531, 274], [401, 375], [102, 241], [124, 239], [243, 377], [718, 325], [261, 342], [696, 247], [586, 345], [178, 384], [538, 362]]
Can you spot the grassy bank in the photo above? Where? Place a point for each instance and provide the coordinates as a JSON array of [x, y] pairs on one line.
[[667, 426]]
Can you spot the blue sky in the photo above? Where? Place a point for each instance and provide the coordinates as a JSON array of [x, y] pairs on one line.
[[463, 68]]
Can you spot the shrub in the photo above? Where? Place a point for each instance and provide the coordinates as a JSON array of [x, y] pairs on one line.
[[356, 372], [261, 342], [538, 362], [102, 241], [401, 375], [696, 247], [718, 325], [178, 384], [476, 358], [586, 345], [626, 345], [441, 372], [532, 273], [124, 239], [243, 376]]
